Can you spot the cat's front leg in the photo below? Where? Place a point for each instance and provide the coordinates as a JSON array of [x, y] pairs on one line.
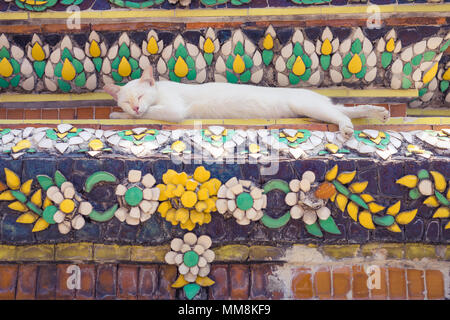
[[120, 115]]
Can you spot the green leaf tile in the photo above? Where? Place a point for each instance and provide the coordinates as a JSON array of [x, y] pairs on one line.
[[325, 61], [386, 59], [124, 51], [356, 46], [267, 56], [314, 229], [329, 225]]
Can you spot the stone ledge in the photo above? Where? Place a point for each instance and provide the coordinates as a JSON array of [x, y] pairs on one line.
[[91, 252]]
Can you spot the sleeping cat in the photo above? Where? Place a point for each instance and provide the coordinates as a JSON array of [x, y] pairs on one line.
[[171, 101]]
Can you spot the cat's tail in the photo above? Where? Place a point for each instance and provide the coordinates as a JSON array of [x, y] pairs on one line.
[[364, 111]]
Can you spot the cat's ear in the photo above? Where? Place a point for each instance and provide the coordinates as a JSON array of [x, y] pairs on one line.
[[147, 76], [112, 89]]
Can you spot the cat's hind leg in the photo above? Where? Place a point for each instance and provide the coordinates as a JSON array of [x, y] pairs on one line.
[[365, 111], [326, 111]]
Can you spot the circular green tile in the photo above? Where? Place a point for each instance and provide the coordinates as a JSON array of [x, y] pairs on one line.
[[133, 196], [190, 258], [244, 201]]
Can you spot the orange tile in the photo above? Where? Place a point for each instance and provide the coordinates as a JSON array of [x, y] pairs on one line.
[[435, 284], [2, 113], [302, 284], [14, 113], [33, 113], [380, 293], [398, 110], [102, 112], [322, 283], [359, 283], [50, 114], [416, 284], [397, 283], [341, 282], [67, 113], [85, 113]]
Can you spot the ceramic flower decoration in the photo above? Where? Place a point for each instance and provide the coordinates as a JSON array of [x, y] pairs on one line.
[[192, 256], [188, 200], [137, 199], [242, 200]]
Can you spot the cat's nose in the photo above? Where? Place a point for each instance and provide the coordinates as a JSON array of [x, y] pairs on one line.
[[136, 109]]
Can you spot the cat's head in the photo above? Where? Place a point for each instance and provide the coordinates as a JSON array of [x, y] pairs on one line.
[[137, 95]]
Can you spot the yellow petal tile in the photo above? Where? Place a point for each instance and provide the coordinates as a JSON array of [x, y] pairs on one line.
[[12, 179], [201, 174], [37, 52], [365, 219], [326, 48], [36, 198], [446, 75], [299, 67], [254, 148], [181, 68], [6, 68], [68, 71], [21, 145], [204, 281], [164, 207], [124, 68], [47, 202], [40, 225], [341, 201], [197, 217], [406, 217], [152, 46], [26, 187], [374, 207], [367, 198], [96, 145], [394, 228], [331, 147], [18, 206], [394, 209], [431, 201], [7, 196], [182, 215], [208, 46], [390, 45], [238, 64], [352, 210], [94, 49], [189, 199], [358, 187], [346, 177], [189, 225], [355, 64], [442, 212], [409, 181], [27, 217], [430, 74], [180, 282], [268, 42], [331, 175], [439, 181], [178, 146]]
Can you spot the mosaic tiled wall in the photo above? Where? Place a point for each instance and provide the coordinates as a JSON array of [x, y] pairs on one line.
[[61, 5], [396, 58], [230, 206]]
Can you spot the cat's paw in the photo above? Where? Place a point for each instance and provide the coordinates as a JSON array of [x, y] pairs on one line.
[[346, 131], [380, 113], [115, 115]]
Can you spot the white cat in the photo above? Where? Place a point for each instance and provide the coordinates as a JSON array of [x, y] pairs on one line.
[[171, 101]]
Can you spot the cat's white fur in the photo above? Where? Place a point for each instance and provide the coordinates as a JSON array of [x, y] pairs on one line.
[[170, 101]]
